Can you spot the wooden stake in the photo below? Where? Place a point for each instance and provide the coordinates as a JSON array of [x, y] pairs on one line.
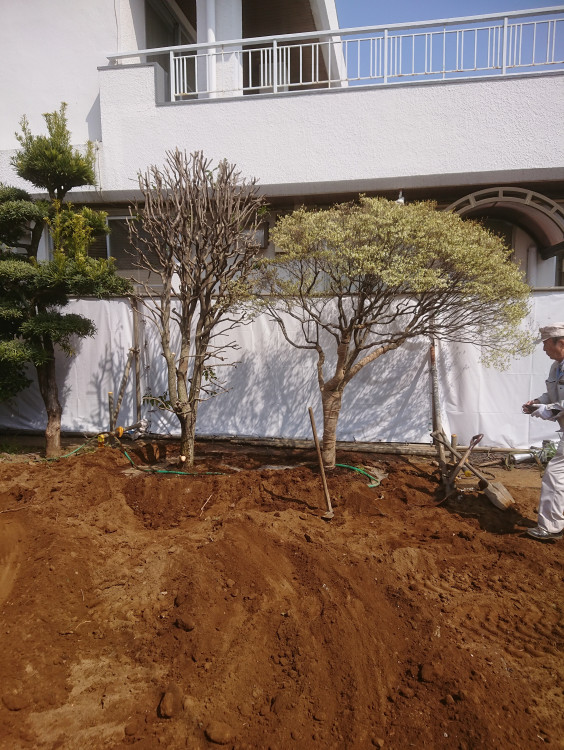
[[437, 423], [111, 405], [329, 513], [135, 309]]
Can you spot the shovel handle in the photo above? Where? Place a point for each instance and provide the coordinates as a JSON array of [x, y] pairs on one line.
[[439, 436], [473, 443]]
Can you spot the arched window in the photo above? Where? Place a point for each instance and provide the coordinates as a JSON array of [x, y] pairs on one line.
[[531, 223]]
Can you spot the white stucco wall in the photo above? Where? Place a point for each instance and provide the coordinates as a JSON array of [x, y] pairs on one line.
[[539, 273], [50, 58], [393, 133]]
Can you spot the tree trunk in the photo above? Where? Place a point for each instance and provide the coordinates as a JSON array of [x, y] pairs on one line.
[[187, 435], [331, 401], [50, 394]]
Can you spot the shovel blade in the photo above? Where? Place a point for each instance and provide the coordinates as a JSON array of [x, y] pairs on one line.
[[499, 495]]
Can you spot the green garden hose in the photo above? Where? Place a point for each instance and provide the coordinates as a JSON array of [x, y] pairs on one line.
[[375, 481]]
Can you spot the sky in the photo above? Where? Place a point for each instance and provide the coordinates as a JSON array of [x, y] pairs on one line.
[[354, 13]]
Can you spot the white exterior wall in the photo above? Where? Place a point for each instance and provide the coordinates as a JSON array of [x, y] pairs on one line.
[[51, 52], [449, 131], [540, 273]]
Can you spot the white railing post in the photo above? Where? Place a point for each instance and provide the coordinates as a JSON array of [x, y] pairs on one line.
[[504, 47], [172, 74], [385, 55], [444, 52], [275, 66]]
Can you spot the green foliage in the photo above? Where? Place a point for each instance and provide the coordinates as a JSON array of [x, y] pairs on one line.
[[49, 161], [363, 279], [59, 328], [31, 293], [74, 231], [408, 269], [9, 193], [14, 218], [161, 402], [18, 212], [14, 356]]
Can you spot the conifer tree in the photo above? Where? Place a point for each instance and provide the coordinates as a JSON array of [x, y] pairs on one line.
[[32, 326]]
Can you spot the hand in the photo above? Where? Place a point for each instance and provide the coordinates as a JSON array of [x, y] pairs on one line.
[[530, 406], [543, 412]]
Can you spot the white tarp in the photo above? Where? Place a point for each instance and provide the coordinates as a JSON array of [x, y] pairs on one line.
[[273, 384]]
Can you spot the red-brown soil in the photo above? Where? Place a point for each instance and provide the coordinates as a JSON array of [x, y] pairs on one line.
[[161, 610]]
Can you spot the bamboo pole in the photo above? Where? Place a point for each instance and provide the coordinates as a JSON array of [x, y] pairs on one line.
[[111, 408], [437, 422], [136, 350], [123, 384]]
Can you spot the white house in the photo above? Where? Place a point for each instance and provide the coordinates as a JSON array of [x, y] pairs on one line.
[[467, 112]]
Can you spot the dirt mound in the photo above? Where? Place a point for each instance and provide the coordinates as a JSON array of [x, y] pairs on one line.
[[219, 609]]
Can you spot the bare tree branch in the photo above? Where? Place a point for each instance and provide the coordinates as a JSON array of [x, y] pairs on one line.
[[195, 231]]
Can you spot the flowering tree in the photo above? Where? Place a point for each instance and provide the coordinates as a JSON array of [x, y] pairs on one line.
[[362, 279]]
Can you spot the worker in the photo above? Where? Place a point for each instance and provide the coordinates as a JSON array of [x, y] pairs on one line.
[[550, 405]]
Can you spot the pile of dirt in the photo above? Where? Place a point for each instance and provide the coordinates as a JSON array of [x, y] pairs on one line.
[[152, 609]]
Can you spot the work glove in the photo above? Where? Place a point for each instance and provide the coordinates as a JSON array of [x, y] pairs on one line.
[[543, 412]]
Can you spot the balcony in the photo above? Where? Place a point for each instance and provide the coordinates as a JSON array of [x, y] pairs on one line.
[[452, 49], [462, 102]]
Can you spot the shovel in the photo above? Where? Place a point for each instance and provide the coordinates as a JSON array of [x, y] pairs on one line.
[[449, 481], [496, 493]]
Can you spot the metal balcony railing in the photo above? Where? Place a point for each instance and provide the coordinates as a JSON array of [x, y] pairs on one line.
[[495, 44]]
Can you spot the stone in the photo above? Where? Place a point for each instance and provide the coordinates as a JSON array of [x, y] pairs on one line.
[[219, 732], [171, 702], [131, 729], [15, 701], [179, 599], [185, 623], [428, 672]]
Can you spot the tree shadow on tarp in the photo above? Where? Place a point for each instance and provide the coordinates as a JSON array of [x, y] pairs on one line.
[[107, 377], [269, 393]]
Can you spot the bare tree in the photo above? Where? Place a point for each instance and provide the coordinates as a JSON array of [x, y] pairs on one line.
[[196, 233], [362, 279]]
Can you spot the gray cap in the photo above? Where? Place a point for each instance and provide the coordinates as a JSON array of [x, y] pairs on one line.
[[554, 331]]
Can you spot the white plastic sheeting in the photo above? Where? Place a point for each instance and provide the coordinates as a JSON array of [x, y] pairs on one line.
[[272, 385]]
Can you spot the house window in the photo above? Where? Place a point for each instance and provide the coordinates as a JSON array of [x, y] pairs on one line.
[[116, 245]]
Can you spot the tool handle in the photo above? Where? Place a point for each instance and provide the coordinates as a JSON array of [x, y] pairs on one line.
[[320, 459], [436, 435], [473, 443]]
